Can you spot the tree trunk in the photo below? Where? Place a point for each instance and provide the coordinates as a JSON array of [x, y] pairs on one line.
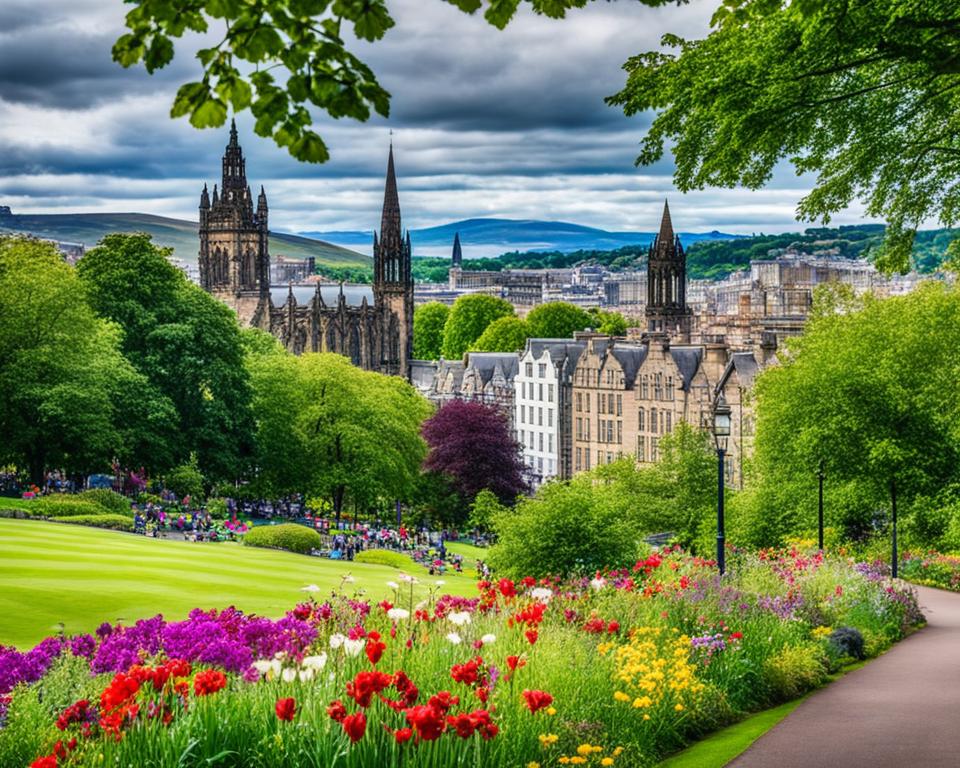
[[338, 495], [36, 461]]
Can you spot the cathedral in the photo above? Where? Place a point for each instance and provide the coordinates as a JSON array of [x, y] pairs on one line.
[[667, 311], [371, 325]]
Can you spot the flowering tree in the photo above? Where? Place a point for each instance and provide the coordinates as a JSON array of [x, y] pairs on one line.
[[471, 444]]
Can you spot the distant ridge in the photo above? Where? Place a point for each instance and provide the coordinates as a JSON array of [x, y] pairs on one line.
[[182, 236], [519, 234]]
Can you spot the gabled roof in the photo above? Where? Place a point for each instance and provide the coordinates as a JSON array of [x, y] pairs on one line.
[[746, 366], [486, 364], [558, 349], [688, 360], [630, 357]]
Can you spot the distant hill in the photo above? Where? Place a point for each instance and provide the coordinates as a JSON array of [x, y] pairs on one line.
[[490, 237], [182, 236]]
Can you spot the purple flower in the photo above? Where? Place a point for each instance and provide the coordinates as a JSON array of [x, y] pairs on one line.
[[83, 645]]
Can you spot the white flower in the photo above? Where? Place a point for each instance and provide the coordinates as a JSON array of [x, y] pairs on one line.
[[488, 639], [353, 647], [407, 578], [459, 618], [289, 675], [398, 614], [598, 583], [393, 585], [310, 588], [541, 594], [454, 638], [263, 666], [336, 640], [305, 675], [348, 579], [440, 582], [314, 662]]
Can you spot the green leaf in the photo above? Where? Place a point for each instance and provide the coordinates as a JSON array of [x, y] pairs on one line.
[[212, 113], [500, 12], [262, 43], [310, 148], [308, 8], [159, 54], [188, 98], [128, 50], [467, 6]]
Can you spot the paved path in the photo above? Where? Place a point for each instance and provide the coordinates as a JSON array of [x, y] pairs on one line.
[[902, 709]]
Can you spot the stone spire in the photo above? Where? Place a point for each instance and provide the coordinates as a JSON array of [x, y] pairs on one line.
[[204, 198], [666, 226], [457, 257], [390, 232], [234, 167]]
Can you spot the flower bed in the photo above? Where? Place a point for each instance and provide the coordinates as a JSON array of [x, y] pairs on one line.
[[932, 569], [617, 670]]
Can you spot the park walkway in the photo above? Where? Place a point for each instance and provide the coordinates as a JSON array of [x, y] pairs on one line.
[[902, 709]]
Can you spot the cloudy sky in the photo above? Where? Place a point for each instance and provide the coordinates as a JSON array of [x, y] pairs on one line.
[[486, 123]]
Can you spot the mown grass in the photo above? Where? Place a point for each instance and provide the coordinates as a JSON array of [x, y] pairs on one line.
[[53, 574]]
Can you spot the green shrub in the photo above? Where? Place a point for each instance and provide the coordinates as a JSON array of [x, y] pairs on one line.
[[289, 536], [110, 500], [111, 521], [185, 480], [217, 508], [384, 557], [794, 671], [68, 506]]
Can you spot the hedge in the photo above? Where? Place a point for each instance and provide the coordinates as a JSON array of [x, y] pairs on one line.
[[67, 506], [114, 502], [289, 536], [384, 557], [113, 522]]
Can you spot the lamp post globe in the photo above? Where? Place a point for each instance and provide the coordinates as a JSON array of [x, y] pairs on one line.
[[721, 435]]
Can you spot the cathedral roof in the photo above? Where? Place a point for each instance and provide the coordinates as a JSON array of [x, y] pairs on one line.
[[329, 292]]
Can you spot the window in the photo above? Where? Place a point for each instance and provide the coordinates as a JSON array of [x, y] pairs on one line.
[[540, 416], [550, 443], [542, 370], [540, 446], [610, 431], [610, 402], [521, 436], [653, 420], [540, 390], [601, 403], [599, 458], [669, 387], [619, 432], [641, 448], [669, 420], [644, 393], [540, 466], [586, 426], [619, 405], [640, 416], [587, 398], [610, 378], [528, 368], [586, 459], [653, 449], [579, 428], [657, 387], [579, 401], [609, 457], [549, 393], [579, 458], [549, 417]]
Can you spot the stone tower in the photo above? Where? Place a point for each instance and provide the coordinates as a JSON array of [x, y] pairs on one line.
[[392, 283], [234, 255], [667, 310], [456, 263]]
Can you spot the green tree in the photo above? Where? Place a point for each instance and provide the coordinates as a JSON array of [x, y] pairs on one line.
[[863, 94], [186, 480], [184, 341], [303, 40], [68, 398], [428, 322], [468, 319], [609, 323], [870, 390], [505, 334], [327, 428], [557, 320], [484, 509]]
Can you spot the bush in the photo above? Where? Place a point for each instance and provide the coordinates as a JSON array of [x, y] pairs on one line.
[[113, 522], [289, 536], [848, 641], [68, 506], [111, 500], [217, 508], [384, 557], [794, 671], [185, 480]]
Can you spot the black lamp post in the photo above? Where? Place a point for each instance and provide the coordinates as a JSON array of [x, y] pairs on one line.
[[721, 433], [893, 509], [820, 508]]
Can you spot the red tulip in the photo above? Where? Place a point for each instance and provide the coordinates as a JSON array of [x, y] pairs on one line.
[[286, 709], [355, 726]]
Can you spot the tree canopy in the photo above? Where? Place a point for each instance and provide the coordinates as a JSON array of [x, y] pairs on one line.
[[428, 322], [863, 94], [468, 319], [304, 40], [505, 334], [557, 320]]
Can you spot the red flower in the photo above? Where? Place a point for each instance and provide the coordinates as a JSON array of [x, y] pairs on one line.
[[402, 735], [468, 673], [363, 687], [537, 700], [47, 761], [737, 636], [483, 694], [443, 701], [514, 662], [337, 711], [386, 605], [286, 709], [75, 713], [483, 724], [427, 720], [303, 611], [375, 647], [613, 627], [462, 724], [405, 688], [209, 681], [528, 581], [507, 588], [531, 635], [355, 726]]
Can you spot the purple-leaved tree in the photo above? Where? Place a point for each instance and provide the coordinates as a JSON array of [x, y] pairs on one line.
[[471, 444]]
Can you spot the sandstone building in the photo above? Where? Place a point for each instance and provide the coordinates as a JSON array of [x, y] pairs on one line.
[[371, 325]]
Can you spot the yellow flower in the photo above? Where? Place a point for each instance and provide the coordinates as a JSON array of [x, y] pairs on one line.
[[563, 760], [575, 760], [551, 710], [533, 764], [548, 738], [584, 749], [646, 717], [606, 761], [621, 696], [618, 751], [679, 707], [597, 748]]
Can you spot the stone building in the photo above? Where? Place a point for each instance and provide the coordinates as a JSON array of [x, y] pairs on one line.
[[372, 325], [542, 418], [667, 311]]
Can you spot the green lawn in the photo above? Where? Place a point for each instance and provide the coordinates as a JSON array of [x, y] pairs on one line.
[[469, 553], [52, 573]]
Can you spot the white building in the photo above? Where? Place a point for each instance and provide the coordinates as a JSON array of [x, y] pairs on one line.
[[541, 413]]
